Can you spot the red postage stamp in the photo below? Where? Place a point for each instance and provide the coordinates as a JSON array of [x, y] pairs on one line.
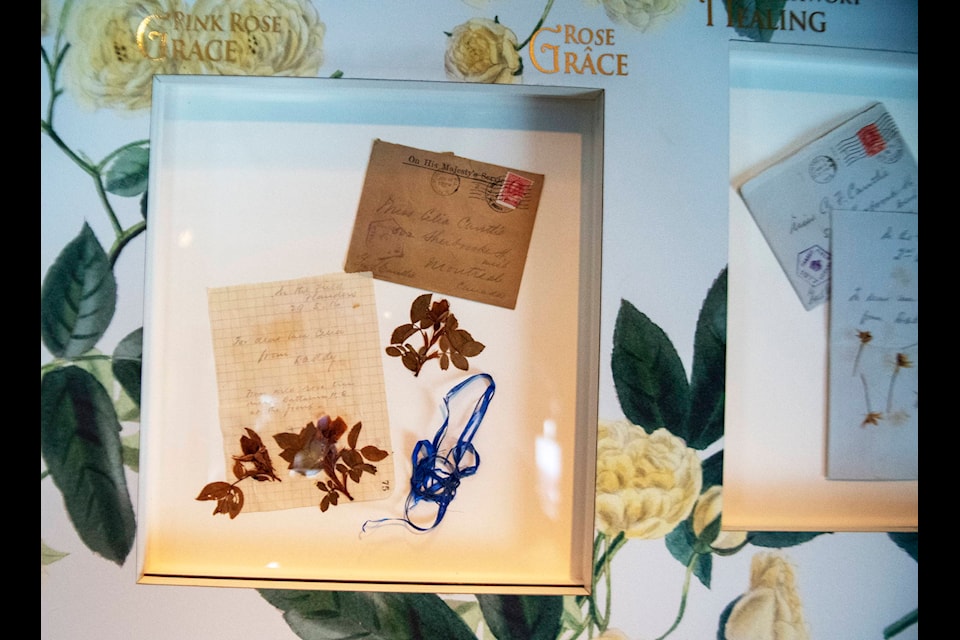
[[513, 190], [871, 139]]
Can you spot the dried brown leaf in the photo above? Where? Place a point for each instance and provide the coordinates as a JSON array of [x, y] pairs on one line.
[[472, 348], [351, 457], [236, 505], [354, 435], [287, 441], [251, 442], [459, 361], [401, 333], [214, 491], [373, 454], [231, 503], [411, 361], [420, 309]]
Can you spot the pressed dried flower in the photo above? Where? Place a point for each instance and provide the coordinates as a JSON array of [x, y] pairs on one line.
[[864, 337], [443, 339], [873, 417], [315, 449], [254, 462]]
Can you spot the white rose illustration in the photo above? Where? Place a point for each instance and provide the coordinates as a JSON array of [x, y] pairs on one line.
[[482, 50], [646, 484], [639, 14], [267, 37], [707, 510], [106, 66], [771, 609]]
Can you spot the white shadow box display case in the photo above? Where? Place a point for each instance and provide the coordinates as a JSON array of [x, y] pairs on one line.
[[342, 274], [780, 468]]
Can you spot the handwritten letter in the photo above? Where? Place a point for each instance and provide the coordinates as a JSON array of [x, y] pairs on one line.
[[874, 349], [288, 352]]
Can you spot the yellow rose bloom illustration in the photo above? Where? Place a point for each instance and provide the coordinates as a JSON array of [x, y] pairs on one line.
[[707, 510], [646, 483], [106, 66], [482, 50], [639, 14], [771, 609], [267, 37]]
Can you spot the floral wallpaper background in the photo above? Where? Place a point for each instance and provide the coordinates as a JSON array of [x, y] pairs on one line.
[[662, 566]]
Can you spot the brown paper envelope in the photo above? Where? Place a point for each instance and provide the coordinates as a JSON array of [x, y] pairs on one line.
[[439, 222]]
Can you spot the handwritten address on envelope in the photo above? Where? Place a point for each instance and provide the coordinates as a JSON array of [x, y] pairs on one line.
[[444, 223], [861, 165]]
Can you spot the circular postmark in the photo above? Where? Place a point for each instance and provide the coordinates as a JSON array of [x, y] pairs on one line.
[[444, 183], [892, 151], [491, 194], [822, 169]]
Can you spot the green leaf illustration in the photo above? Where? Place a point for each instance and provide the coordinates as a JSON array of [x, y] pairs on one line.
[[80, 444], [712, 469], [901, 625], [780, 539], [323, 615], [101, 368], [724, 616], [127, 175], [77, 298], [469, 612], [909, 542], [680, 543], [127, 363], [704, 424], [753, 19], [647, 373], [131, 451], [522, 617]]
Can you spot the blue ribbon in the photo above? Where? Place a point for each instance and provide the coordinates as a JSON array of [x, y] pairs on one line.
[[436, 476]]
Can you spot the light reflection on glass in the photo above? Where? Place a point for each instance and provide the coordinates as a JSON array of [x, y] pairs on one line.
[[549, 465], [269, 405], [185, 239]]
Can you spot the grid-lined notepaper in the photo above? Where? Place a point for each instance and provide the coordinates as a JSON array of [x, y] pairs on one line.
[[288, 352]]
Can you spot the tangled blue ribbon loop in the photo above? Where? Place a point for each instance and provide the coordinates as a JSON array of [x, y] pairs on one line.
[[436, 476]]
